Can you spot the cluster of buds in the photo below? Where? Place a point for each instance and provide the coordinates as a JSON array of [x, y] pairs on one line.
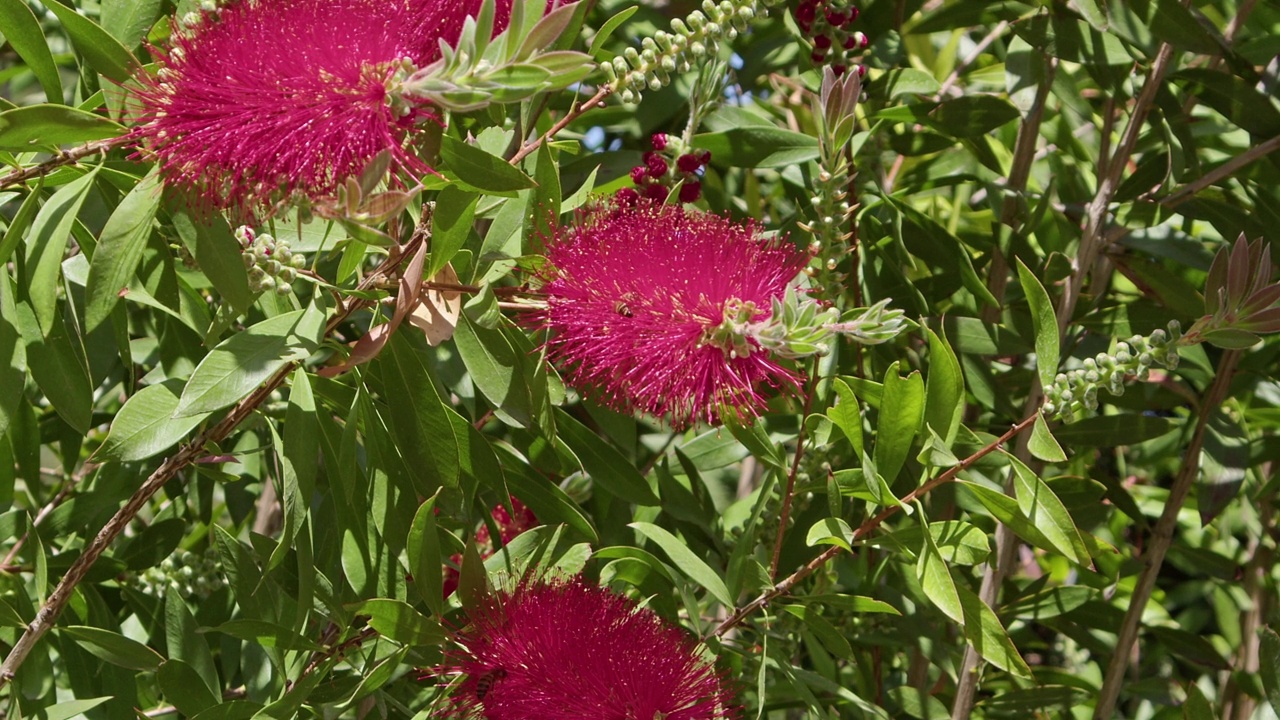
[[667, 165], [827, 24], [1076, 390], [271, 264], [509, 526], [187, 573], [796, 328], [697, 36], [193, 18]]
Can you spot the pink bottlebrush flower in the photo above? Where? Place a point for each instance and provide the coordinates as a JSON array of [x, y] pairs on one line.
[[566, 650], [265, 99], [635, 294]]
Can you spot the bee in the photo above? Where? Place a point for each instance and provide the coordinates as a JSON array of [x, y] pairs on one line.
[[485, 682], [621, 308]]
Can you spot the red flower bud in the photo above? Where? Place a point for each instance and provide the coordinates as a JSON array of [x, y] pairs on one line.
[[656, 192], [659, 141], [657, 166], [688, 163], [690, 191], [822, 42], [638, 174]]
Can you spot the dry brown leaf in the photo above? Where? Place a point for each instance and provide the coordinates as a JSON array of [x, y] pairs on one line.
[[437, 312]]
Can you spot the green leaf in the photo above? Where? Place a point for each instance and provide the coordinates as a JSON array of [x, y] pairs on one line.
[[425, 558], [1044, 322], [1173, 23], [988, 637], [183, 688], [901, 409], [1269, 662], [936, 581], [1050, 603], [957, 541], [104, 53], [501, 365], [846, 414], [606, 466], [830, 531], [185, 643], [944, 389], [46, 127], [13, 357], [612, 24], [758, 146], [129, 20], [450, 225], [217, 252], [1114, 430], [72, 708], [482, 171], [145, 425], [58, 369], [21, 30], [299, 458], [242, 362], [691, 565], [47, 243], [20, 222], [1041, 443], [906, 81], [1197, 706], [1039, 504], [267, 634], [420, 421], [1006, 510], [114, 647], [396, 620], [119, 249]]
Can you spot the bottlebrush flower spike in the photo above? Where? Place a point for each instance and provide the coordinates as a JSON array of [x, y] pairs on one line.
[[637, 295], [263, 100], [566, 650]]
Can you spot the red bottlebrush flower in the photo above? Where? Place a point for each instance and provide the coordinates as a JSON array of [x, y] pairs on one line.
[[267, 98], [566, 650], [635, 294], [689, 163], [690, 191], [627, 196]]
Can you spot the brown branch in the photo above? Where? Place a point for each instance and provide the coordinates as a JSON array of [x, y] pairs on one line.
[[574, 113], [784, 516], [1223, 171], [1161, 539], [865, 529], [64, 157], [191, 451]]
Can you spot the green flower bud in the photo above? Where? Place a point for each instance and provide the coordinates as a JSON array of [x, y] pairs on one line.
[[284, 289], [297, 262]]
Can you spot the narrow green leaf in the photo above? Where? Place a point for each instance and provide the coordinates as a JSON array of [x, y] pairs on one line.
[[265, 633], [936, 581], [420, 421], [145, 425], [901, 409], [47, 243], [482, 171], [830, 531], [183, 688], [217, 252], [906, 81], [1114, 430], [46, 127], [1050, 603], [1269, 661], [758, 146], [1197, 706], [957, 541], [606, 466], [185, 643], [691, 565], [846, 414], [58, 369], [944, 389], [1005, 509], [450, 225], [612, 24], [425, 558], [22, 31], [119, 249], [988, 637], [104, 53], [73, 708], [114, 647], [245, 360], [398, 621], [1042, 444], [501, 366], [1042, 507], [13, 357], [20, 222], [129, 20], [1045, 324]]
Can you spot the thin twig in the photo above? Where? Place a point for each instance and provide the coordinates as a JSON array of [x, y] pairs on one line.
[[865, 529], [65, 157], [1223, 171], [574, 113], [972, 57], [784, 516], [1161, 539], [188, 453]]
